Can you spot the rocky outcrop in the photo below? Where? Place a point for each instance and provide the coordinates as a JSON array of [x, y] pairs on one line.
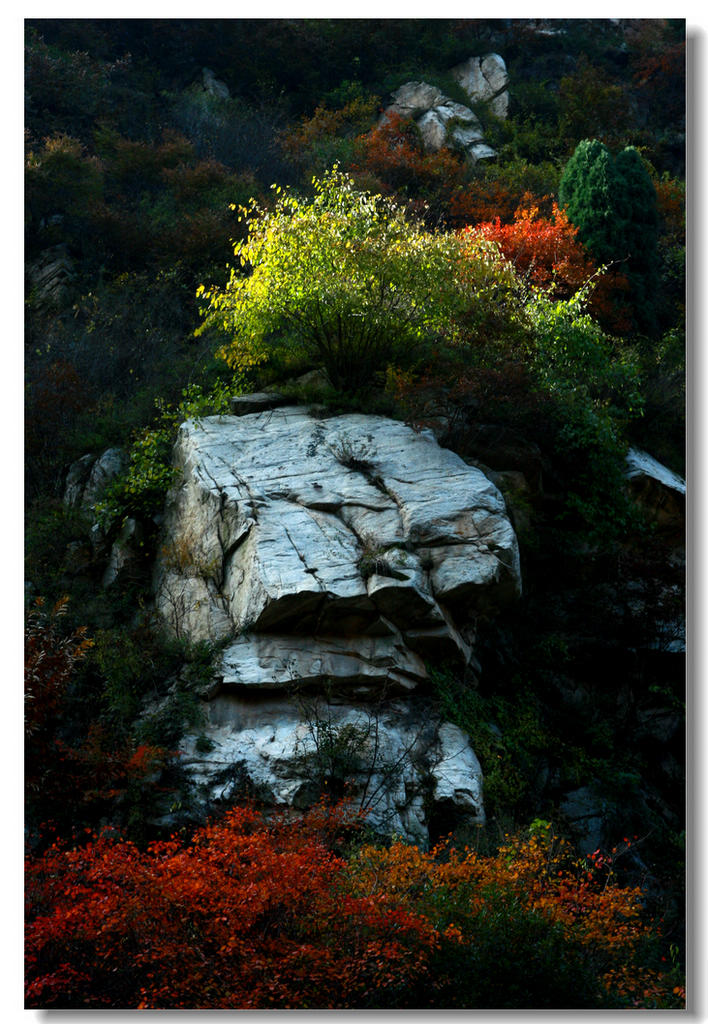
[[89, 476], [332, 555], [50, 277], [485, 80], [661, 492], [120, 557], [442, 121], [214, 85]]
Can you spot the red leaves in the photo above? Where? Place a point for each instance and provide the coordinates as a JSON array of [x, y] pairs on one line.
[[392, 158], [547, 252], [544, 250], [252, 914]]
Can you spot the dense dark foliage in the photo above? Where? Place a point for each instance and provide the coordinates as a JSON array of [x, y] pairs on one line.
[[135, 170], [613, 203]]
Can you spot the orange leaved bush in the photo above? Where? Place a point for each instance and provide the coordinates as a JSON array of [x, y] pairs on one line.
[[547, 252], [258, 913], [576, 936], [391, 158]]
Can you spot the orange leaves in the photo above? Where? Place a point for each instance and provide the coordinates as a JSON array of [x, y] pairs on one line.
[[538, 874], [259, 913], [548, 253], [544, 250], [393, 155]]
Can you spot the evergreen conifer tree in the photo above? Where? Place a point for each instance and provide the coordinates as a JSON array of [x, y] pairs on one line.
[[612, 201]]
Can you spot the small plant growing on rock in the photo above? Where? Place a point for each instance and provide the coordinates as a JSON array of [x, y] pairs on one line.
[[353, 456], [376, 560]]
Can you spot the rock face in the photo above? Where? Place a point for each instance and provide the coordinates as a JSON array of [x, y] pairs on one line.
[[444, 122], [659, 490], [485, 80], [51, 276], [89, 476], [333, 555]]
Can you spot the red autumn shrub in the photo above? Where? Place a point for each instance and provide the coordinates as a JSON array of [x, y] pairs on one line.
[[393, 155], [547, 252], [671, 204], [250, 915], [487, 200]]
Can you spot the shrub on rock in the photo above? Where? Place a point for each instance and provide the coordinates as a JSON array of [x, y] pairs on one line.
[[346, 279]]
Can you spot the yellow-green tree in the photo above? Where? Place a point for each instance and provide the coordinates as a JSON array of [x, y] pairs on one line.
[[347, 279]]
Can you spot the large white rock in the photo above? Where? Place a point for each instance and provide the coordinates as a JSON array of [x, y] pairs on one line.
[[277, 513], [332, 556]]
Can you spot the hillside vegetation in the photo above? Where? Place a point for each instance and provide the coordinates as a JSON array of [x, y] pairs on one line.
[[214, 208]]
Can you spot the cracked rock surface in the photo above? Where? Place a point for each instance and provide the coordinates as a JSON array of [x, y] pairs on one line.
[[331, 555], [442, 121]]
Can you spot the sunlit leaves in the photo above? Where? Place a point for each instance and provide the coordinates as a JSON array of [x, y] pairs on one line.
[[346, 279]]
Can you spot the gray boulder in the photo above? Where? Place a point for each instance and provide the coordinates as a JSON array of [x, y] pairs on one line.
[[89, 477], [335, 555], [485, 80]]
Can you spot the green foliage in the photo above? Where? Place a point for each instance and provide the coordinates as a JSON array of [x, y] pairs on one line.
[[613, 203], [556, 974], [348, 280], [63, 183], [328, 137], [588, 189], [62, 88], [142, 489], [507, 735], [242, 136], [596, 392], [663, 369], [591, 105], [50, 527]]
